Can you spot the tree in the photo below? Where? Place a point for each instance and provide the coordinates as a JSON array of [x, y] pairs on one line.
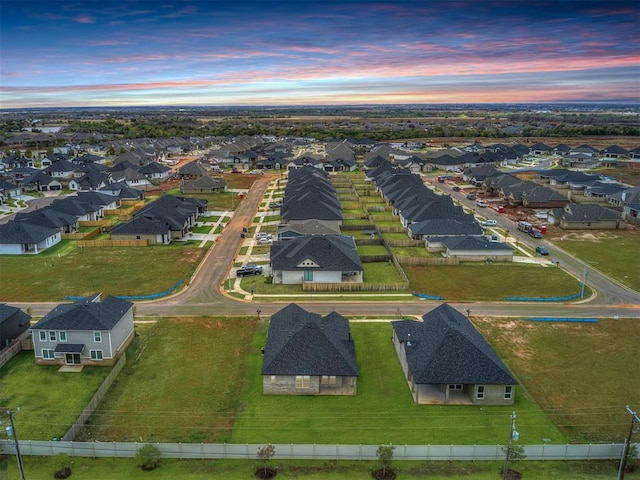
[[148, 457], [265, 454], [513, 453], [385, 455]]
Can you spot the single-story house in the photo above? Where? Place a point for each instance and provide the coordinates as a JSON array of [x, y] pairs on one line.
[[307, 354], [316, 259], [87, 332], [586, 216], [17, 238], [447, 361], [13, 324]]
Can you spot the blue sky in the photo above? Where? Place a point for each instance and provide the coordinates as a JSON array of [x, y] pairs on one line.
[[96, 53]]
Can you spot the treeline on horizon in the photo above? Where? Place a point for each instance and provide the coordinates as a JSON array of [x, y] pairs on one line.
[[181, 127]]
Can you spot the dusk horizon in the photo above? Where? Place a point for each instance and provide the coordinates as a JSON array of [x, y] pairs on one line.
[[296, 54]]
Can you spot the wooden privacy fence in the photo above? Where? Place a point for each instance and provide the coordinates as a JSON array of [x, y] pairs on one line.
[[354, 287], [14, 349], [405, 243], [289, 451], [95, 400], [112, 243], [424, 261], [81, 235]]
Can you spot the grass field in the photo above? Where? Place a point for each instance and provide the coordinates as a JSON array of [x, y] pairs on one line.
[[81, 272], [382, 412], [614, 252], [582, 375], [181, 384], [479, 281], [50, 401], [41, 468], [380, 272]]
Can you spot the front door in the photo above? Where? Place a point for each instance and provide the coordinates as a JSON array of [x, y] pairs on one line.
[[72, 358]]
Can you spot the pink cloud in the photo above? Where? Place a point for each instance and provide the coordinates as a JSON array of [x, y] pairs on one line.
[[84, 19]]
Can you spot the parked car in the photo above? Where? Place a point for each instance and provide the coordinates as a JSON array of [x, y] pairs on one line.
[[481, 203], [456, 188], [263, 235], [275, 204], [489, 223], [535, 233], [249, 269], [265, 240], [471, 196], [542, 250], [256, 172]]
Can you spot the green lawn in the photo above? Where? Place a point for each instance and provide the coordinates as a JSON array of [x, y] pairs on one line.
[[50, 401], [381, 272], [383, 410], [81, 272], [372, 250], [41, 468], [185, 369], [414, 252], [582, 374], [496, 281], [615, 252]]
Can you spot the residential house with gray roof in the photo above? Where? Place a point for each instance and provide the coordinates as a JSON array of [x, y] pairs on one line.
[[14, 324], [86, 332], [19, 238], [316, 259], [446, 360], [307, 354]]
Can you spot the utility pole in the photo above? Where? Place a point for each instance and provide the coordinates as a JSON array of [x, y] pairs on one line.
[[627, 445], [513, 435], [11, 431]]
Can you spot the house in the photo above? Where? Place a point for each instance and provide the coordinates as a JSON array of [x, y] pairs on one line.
[[629, 201], [301, 228], [447, 361], [586, 216], [316, 259], [307, 354], [475, 249], [18, 238], [87, 332], [13, 324], [204, 184]]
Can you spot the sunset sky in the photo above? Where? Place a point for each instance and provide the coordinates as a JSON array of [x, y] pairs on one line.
[[95, 53]]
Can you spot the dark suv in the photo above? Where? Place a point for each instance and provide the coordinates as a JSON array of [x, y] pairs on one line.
[[249, 269]]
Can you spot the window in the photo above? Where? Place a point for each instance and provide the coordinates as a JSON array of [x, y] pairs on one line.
[[273, 379], [308, 276], [97, 337], [508, 392], [303, 381], [48, 353], [43, 336], [52, 336], [95, 354], [480, 392], [328, 380], [456, 386], [63, 336]]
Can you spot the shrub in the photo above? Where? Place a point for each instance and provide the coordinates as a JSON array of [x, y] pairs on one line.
[[148, 457]]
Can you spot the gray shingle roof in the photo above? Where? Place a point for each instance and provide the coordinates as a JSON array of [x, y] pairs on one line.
[[304, 343], [19, 232], [85, 315], [333, 253], [445, 348]]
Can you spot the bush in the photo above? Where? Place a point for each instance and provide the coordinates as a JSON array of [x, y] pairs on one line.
[[148, 457]]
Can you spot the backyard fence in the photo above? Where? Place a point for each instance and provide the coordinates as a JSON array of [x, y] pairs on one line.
[[422, 261], [248, 451], [354, 287], [93, 403], [112, 243], [15, 348]]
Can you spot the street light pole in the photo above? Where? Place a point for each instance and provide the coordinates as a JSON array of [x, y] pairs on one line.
[[11, 431], [513, 435], [627, 445]]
